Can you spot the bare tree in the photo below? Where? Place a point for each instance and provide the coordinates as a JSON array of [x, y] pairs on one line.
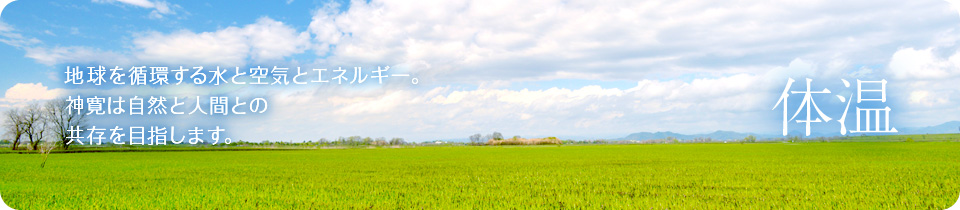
[[397, 141], [63, 119], [497, 136], [750, 139], [475, 139], [14, 126], [34, 124]]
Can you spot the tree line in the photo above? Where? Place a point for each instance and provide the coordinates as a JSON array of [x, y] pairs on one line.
[[41, 121], [478, 139], [340, 141]]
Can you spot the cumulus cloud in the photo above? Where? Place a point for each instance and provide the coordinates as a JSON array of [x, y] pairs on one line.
[[700, 105], [927, 78], [955, 4], [264, 40], [922, 64], [323, 28], [30, 91], [738, 102], [500, 40], [698, 66], [75, 54]]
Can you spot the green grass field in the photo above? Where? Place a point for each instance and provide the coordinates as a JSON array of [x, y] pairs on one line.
[[915, 175]]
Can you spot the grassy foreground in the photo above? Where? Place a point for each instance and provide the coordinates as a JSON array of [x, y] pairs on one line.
[[857, 175]]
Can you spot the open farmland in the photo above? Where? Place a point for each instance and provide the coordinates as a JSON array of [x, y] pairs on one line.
[[860, 175]]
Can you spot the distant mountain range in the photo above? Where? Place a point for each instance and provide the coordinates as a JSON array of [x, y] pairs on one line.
[[716, 135], [948, 127]]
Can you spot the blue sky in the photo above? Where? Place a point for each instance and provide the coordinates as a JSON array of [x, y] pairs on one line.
[[540, 68]]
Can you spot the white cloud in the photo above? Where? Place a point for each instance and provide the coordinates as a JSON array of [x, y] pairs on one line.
[[160, 8], [75, 54], [500, 40], [955, 4], [226, 46], [910, 63], [923, 97], [57, 54], [323, 28], [264, 40], [9, 36], [928, 79], [699, 66], [445, 112], [272, 40], [31, 91], [735, 51]]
